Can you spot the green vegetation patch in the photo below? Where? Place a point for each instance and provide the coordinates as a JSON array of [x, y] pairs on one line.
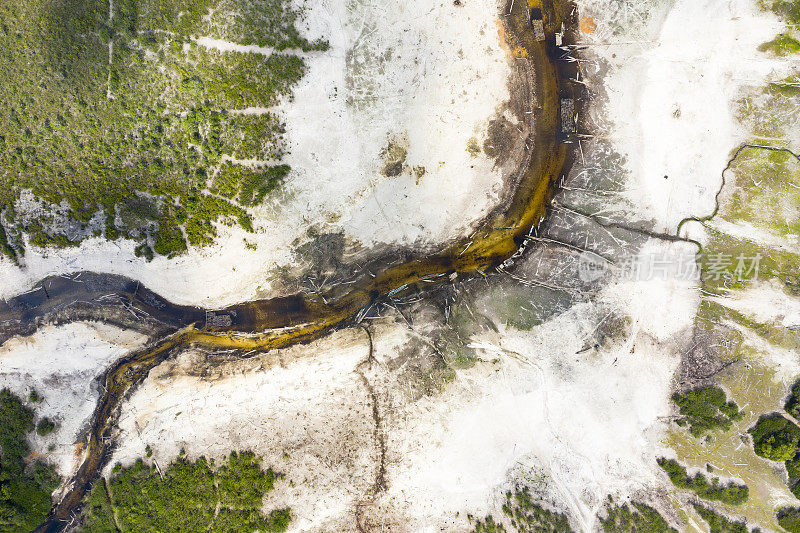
[[728, 493], [25, 484], [115, 122], [636, 518], [706, 409], [248, 185], [488, 525], [45, 426], [781, 45], [775, 437], [191, 496], [718, 523], [788, 87]]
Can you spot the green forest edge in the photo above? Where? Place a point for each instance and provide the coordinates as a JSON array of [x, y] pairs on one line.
[[188, 496], [26, 481], [522, 514], [132, 146]]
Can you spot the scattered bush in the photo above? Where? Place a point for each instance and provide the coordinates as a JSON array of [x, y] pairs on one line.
[[488, 525], [718, 523], [45, 426], [639, 518], [527, 515], [524, 515], [729, 493]]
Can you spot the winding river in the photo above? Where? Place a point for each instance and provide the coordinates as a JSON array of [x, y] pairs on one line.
[[264, 325]]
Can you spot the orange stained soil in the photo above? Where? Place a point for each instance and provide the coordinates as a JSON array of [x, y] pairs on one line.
[[587, 25], [501, 35]]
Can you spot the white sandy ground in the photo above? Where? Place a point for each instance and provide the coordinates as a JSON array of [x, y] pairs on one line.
[[305, 412], [576, 419], [429, 76], [589, 423], [672, 88], [61, 363], [765, 302]]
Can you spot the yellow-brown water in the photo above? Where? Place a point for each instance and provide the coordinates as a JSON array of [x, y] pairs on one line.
[[277, 323]]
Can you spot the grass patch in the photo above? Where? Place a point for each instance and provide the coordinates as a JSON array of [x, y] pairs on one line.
[[781, 45]]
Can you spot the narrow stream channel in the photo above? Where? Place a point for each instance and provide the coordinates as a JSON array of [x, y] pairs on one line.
[[264, 325]]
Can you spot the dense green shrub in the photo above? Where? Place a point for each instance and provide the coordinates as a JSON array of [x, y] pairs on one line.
[[706, 409], [789, 519], [775, 437], [191, 496], [793, 467], [45, 426], [729, 493], [25, 489], [793, 403]]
